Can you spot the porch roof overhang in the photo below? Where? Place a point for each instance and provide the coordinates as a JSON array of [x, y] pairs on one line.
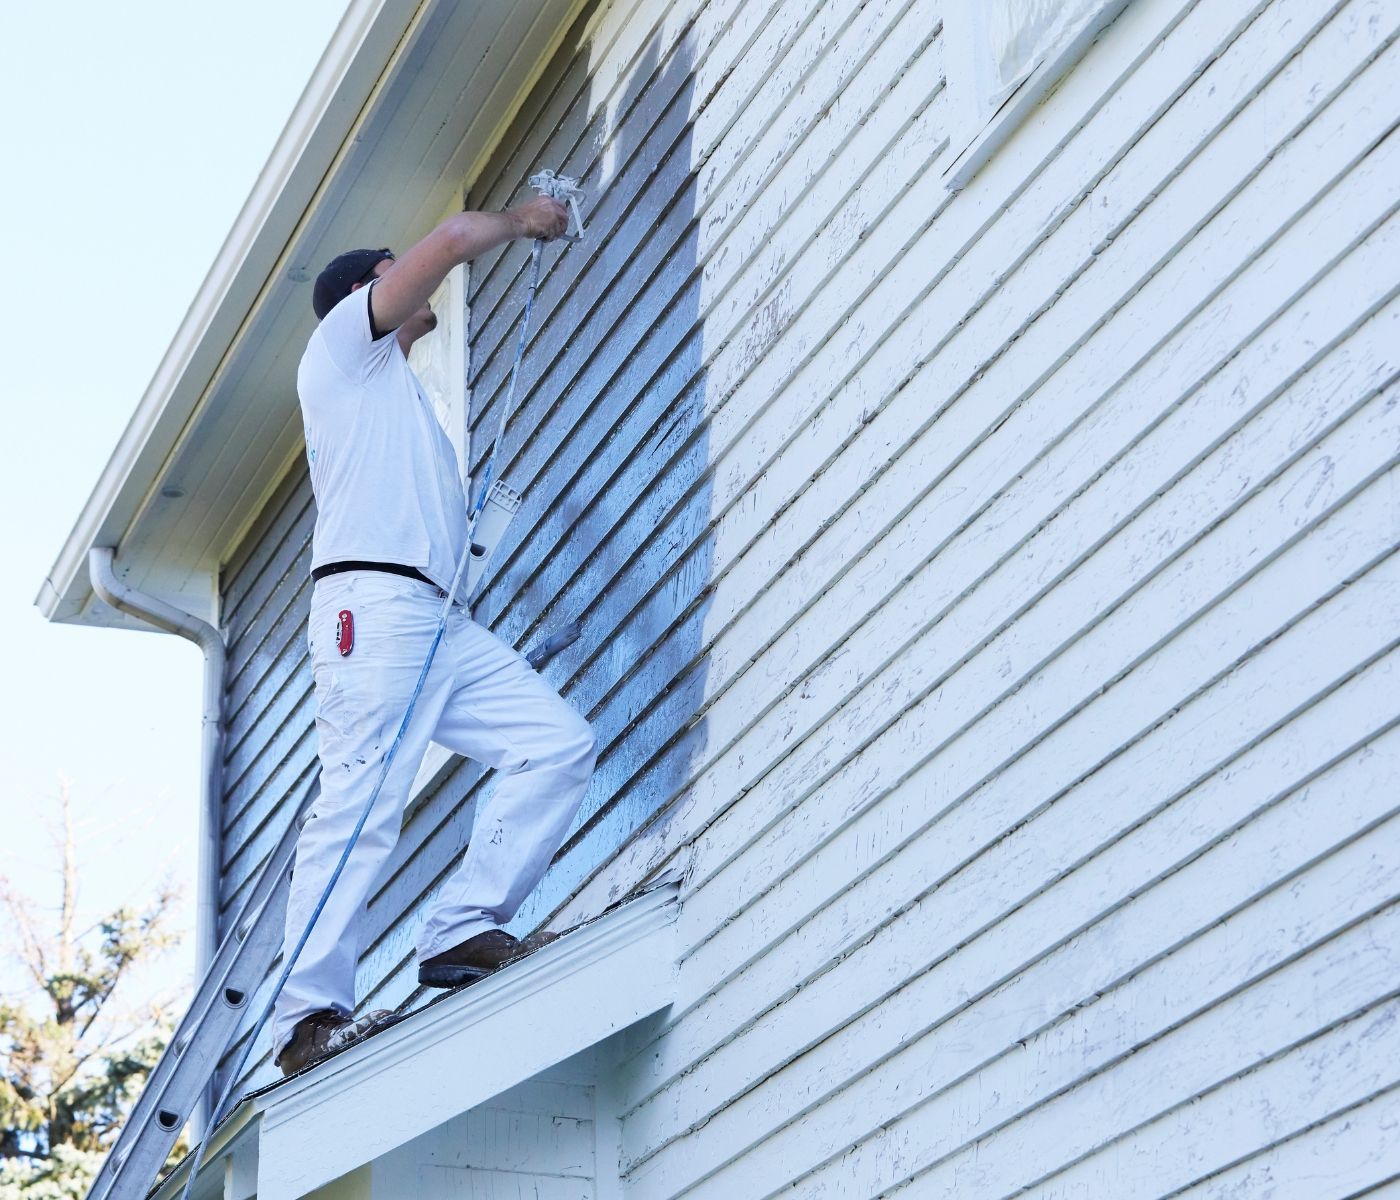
[[452, 1055], [402, 109]]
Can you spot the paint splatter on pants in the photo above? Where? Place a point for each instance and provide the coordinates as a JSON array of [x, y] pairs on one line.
[[481, 699]]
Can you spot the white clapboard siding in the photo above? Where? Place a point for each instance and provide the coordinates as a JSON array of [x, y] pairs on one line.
[[899, 346], [1360, 263], [1105, 502], [871, 839], [1331, 1071], [968, 1043], [990, 600], [1227, 483], [861, 908], [1375, 515], [1334, 1160], [942, 923]]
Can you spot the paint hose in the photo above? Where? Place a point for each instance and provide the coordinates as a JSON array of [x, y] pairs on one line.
[[567, 191]]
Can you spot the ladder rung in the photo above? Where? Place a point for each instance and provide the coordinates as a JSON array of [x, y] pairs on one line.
[[190, 1062]]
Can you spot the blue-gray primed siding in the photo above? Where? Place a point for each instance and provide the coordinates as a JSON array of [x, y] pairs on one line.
[[269, 746], [610, 395], [602, 446]]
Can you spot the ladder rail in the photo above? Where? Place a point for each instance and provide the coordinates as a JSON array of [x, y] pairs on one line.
[[191, 1061], [185, 1070]]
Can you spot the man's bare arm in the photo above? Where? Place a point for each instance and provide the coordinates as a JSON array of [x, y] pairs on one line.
[[408, 283]]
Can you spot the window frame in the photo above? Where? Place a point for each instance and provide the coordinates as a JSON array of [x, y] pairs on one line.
[[451, 304], [977, 126]]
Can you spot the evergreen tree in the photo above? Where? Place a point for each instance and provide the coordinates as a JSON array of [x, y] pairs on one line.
[[73, 1057]]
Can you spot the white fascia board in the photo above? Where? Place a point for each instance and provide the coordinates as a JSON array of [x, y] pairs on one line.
[[344, 78], [453, 1054], [474, 1044], [234, 1145]]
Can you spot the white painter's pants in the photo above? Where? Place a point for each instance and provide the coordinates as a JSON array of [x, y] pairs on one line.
[[481, 699]]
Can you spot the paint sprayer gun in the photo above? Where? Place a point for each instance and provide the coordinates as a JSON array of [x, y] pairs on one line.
[[501, 502], [566, 191]]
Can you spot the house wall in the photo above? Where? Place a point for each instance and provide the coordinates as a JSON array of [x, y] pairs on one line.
[[535, 1140], [270, 737], [989, 598], [1031, 745]]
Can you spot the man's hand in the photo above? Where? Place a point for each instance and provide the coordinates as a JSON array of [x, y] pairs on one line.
[[405, 286], [542, 217]]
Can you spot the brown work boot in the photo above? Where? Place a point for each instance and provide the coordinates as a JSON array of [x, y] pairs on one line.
[[478, 956], [322, 1033]]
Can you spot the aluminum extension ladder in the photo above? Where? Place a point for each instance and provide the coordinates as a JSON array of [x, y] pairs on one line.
[[182, 1076]]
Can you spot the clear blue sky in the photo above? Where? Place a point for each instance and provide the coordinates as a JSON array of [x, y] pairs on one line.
[[132, 135]]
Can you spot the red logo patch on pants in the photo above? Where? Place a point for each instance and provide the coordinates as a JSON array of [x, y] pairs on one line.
[[345, 632]]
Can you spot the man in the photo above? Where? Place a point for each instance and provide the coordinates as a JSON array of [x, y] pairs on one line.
[[390, 527]]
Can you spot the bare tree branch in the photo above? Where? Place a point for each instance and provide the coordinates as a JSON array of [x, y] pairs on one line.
[[71, 1055]]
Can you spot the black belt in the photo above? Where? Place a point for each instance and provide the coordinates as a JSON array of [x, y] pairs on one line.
[[336, 568]]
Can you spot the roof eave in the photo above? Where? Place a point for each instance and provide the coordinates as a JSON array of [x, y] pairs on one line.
[[341, 84]]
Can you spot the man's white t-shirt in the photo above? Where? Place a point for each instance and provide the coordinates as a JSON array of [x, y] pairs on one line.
[[383, 470]]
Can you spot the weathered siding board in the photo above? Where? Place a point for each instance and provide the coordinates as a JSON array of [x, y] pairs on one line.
[[1333, 1070], [972, 1034], [989, 600], [935, 476], [268, 744], [954, 917], [892, 350], [1356, 292], [948, 916], [1335, 1160], [1330, 387]]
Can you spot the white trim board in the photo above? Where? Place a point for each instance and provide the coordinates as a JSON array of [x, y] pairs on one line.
[[979, 126], [452, 1055]]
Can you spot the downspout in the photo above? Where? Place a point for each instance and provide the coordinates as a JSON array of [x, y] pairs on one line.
[[165, 616]]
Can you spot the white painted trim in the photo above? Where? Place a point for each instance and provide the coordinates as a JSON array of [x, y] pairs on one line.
[[977, 131], [609, 1103], [455, 1053], [447, 349]]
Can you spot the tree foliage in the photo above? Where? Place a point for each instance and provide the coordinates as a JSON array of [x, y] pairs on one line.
[[73, 1055]]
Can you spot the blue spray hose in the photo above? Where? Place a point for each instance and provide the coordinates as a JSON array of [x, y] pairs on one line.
[[236, 1072]]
